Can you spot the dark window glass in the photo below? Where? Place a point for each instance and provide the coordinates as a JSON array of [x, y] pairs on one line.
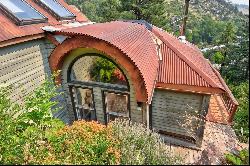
[[57, 9], [116, 106], [21, 12], [83, 103]]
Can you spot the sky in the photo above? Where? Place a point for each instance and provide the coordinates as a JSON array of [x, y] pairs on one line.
[[245, 2]]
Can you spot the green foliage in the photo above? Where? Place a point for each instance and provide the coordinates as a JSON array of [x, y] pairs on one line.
[[34, 137], [217, 58], [229, 34], [102, 70], [242, 158], [37, 109], [152, 11], [241, 119], [81, 143], [23, 125], [10, 149], [141, 146]]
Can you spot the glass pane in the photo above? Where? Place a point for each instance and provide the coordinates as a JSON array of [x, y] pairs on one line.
[[21, 10], [117, 104], [57, 8], [84, 104], [92, 68]]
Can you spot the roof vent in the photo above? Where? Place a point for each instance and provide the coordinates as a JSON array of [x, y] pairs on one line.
[[182, 39], [142, 22]]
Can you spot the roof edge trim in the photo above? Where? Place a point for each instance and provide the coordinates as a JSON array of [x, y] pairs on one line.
[[17, 40], [189, 88]]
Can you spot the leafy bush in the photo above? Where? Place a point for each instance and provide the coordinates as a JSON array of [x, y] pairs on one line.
[[102, 70], [238, 158], [241, 118], [81, 143], [30, 135], [217, 57], [140, 146], [24, 125]]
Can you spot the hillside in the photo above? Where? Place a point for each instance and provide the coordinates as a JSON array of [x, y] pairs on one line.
[[207, 20], [217, 9], [243, 8]]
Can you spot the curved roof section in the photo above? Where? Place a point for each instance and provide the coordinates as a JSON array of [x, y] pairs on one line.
[[133, 39], [9, 30]]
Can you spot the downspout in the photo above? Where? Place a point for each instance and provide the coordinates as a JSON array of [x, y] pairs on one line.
[[147, 113]]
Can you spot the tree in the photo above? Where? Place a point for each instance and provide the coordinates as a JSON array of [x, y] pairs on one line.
[[229, 35], [98, 10], [153, 11], [217, 57]]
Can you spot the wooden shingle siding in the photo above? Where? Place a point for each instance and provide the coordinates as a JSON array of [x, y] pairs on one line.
[[169, 110], [24, 67]]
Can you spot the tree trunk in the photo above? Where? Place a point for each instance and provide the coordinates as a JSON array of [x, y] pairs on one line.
[[183, 28]]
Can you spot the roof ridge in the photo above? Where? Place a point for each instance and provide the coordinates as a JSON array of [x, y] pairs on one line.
[[185, 59]]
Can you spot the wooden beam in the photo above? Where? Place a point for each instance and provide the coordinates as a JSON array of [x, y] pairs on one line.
[[52, 39], [189, 88]]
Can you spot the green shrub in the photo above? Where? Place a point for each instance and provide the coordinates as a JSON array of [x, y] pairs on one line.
[[239, 158], [30, 135], [241, 118], [81, 143], [24, 125], [10, 148], [102, 70], [141, 146]]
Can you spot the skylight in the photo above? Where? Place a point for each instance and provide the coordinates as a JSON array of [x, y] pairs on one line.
[[21, 12], [55, 8]]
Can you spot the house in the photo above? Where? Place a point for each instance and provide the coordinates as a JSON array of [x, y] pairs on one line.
[[167, 80]]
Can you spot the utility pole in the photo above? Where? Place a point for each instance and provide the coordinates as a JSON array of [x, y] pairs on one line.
[[183, 28]]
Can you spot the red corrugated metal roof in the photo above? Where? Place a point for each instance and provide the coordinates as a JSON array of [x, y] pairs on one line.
[[182, 63], [174, 70], [203, 74], [132, 39], [9, 30]]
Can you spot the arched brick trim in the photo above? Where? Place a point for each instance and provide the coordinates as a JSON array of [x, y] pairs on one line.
[[61, 51]]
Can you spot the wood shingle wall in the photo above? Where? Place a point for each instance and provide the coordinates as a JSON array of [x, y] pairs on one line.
[[24, 67], [171, 112]]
